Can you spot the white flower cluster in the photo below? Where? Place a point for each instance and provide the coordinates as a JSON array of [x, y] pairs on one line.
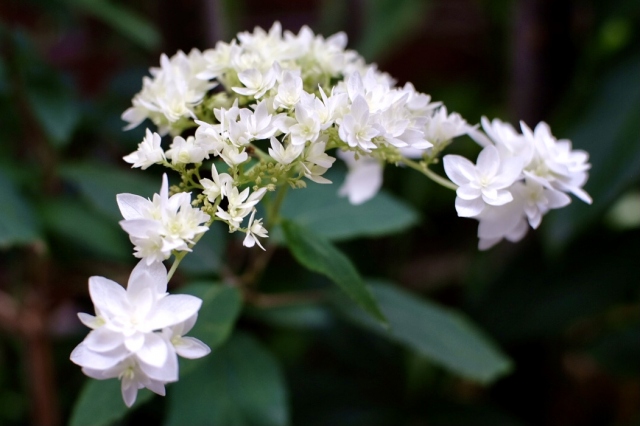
[[159, 227], [516, 180], [138, 333], [265, 111]]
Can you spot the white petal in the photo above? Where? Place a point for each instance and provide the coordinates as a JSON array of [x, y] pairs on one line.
[[174, 309], [488, 161], [501, 198], [129, 392], [152, 276], [89, 320], [108, 297], [469, 208], [132, 206], [103, 340], [459, 169], [154, 351], [141, 228], [468, 193], [168, 372], [134, 342], [191, 348], [84, 357], [557, 199]]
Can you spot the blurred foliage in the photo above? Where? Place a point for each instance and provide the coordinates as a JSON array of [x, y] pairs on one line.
[[516, 336]]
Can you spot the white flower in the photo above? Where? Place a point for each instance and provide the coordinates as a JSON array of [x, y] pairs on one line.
[[185, 346], [215, 188], [254, 230], [554, 164], [186, 151], [483, 183], [239, 205], [356, 129], [316, 162], [307, 127], [284, 155], [256, 83], [157, 227], [538, 200], [364, 178], [124, 341], [442, 127], [289, 90], [149, 152]]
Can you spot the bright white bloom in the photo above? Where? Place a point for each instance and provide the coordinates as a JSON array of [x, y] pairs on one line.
[[256, 83], [356, 128], [215, 188], [254, 230], [538, 200], [364, 178], [316, 162], [149, 152], [554, 164], [233, 155], [289, 90], [307, 127], [483, 183], [125, 341], [171, 93], [441, 127], [240, 205], [185, 346], [186, 151], [157, 227], [284, 155]]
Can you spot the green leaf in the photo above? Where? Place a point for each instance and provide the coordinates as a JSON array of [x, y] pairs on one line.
[[241, 384], [73, 221], [132, 26], [54, 104], [220, 309], [206, 257], [611, 135], [100, 403], [100, 184], [319, 207], [319, 255], [443, 335], [17, 221]]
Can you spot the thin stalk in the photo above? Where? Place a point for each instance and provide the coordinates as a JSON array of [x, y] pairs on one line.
[[424, 169]]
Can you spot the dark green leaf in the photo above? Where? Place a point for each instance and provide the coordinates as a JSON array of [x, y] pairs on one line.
[[221, 306], [206, 257], [611, 135], [100, 184], [54, 104], [241, 384], [17, 222], [445, 336], [319, 255], [619, 350], [100, 403], [132, 26], [76, 223], [319, 207]]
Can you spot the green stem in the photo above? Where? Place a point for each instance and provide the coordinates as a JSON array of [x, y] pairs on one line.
[[273, 214], [260, 153], [181, 254], [424, 169]]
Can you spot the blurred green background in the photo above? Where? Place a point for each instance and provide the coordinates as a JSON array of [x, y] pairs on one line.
[[564, 304]]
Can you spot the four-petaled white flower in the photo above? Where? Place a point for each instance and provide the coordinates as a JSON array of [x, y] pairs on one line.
[[149, 152]]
